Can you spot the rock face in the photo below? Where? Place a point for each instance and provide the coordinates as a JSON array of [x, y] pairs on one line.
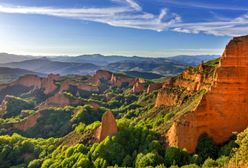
[[139, 86], [118, 80], [102, 74], [29, 81], [28, 122], [60, 100], [107, 128], [189, 81], [167, 99], [48, 83], [35, 82], [154, 86], [224, 109]]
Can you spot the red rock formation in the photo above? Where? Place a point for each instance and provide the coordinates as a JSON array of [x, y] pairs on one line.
[[166, 99], [190, 80], [60, 100], [118, 80], [48, 83], [224, 109], [27, 122], [154, 86], [102, 74], [28, 81], [138, 87], [65, 85], [107, 128]]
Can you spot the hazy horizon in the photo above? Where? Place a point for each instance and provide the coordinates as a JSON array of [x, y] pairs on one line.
[[86, 54]]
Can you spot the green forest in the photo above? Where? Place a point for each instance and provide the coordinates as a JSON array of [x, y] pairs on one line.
[[63, 137]]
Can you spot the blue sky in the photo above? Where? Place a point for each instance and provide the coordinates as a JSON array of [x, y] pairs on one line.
[[120, 27]]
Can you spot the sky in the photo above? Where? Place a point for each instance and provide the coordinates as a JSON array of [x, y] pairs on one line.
[[153, 28]]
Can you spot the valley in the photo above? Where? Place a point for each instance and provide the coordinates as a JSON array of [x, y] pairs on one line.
[[84, 116], [145, 67]]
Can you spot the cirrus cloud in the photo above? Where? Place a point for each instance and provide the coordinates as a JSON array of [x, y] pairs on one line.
[[129, 14]]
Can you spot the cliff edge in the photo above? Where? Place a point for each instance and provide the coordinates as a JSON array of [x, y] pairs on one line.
[[224, 109]]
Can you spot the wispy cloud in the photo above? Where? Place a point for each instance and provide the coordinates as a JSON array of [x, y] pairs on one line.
[[205, 5], [128, 13], [234, 27], [134, 5]]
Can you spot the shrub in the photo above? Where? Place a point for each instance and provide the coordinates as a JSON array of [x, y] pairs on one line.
[[176, 156], [210, 163], [149, 159], [206, 147], [14, 106], [80, 128]]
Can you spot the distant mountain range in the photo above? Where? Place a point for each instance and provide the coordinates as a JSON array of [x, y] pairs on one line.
[[150, 67], [102, 60], [44, 65], [192, 60], [10, 74], [7, 58]]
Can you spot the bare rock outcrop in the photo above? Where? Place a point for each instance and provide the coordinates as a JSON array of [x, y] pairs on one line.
[[28, 81], [167, 99], [118, 80], [27, 122], [154, 86], [138, 87], [224, 109], [108, 127], [35, 82], [189, 81], [102, 74], [48, 83], [60, 100]]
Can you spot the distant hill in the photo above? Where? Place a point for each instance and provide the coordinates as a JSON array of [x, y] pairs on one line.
[[44, 65], [96, 59], [192, 60], [10, 74], [102, 60], [7, 58], [88, 64], [162, 68], [145, 75]]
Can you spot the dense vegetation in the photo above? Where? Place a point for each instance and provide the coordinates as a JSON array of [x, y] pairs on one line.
[[69, 132]]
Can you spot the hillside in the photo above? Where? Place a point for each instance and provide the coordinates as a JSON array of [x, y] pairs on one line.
[[88, 64], [192, 60], [7, 58], [157, 67], [112, 119], [102, 60], [10, 74], [44, 65], [72, 106]]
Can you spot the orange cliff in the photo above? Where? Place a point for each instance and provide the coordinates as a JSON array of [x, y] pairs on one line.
[[47, 84], [153, 86], [108, 127], [224, 109], [189, 81]]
